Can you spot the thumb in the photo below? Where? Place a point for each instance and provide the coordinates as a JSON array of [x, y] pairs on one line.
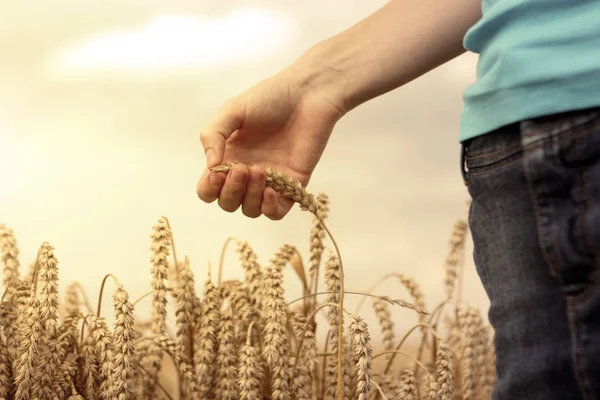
[[229, 119]]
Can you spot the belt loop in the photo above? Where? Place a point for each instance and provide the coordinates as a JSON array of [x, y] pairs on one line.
[[463, 164]]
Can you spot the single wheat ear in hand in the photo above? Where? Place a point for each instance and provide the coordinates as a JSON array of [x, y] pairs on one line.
[[283, 184]]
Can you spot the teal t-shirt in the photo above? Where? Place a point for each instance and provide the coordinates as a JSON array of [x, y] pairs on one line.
[[536, 57]]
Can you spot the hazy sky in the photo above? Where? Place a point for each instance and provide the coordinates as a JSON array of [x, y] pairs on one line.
[[100, 109]]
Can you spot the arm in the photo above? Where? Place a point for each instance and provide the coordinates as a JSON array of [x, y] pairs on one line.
[[295, 111], [398, 43]]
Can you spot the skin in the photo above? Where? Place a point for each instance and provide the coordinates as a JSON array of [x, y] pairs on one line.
[[286, 120]]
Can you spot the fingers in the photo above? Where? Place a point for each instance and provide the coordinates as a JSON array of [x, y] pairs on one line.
[[230, 197], [209, 185], [213, 136], [275, 206], [252, 203]]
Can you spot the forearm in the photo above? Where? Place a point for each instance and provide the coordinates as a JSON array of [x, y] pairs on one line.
[[398, 43]]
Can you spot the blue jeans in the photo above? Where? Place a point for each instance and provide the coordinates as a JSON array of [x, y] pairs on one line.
[[535, 221]]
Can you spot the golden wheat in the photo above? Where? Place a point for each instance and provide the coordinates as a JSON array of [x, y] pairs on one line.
[[241, 339]]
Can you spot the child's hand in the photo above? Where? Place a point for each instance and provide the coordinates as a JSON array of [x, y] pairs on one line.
[[281, 123]]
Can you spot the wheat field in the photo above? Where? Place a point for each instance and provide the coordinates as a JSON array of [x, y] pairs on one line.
[[238, 339]]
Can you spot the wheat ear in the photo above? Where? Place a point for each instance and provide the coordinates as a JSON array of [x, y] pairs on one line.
[[185, 294], [457, 244], [30, 333], [276, 342], [444, 373], [293, 189], [363, 356], [5, 371], [205, 350], [10, 255], [250, 372], [385, 321], [123, 337]]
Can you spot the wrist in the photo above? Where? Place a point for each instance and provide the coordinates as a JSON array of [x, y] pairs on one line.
[[316, 72]]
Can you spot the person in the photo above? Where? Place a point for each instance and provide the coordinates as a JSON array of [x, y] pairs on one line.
[[530, 157]]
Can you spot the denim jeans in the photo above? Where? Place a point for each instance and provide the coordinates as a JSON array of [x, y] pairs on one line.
[[535, 221]]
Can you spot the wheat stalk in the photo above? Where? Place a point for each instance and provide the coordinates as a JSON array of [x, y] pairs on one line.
[[123, 337], [250, 372], [5, 371], [457, 243], [275, 336], [30, 333], [444, 373], [205, 351], [363, 355]]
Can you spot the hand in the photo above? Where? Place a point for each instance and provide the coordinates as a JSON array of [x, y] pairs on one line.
[[282, 123]]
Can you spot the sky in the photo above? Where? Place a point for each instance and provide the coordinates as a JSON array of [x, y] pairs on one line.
[[101, 104]]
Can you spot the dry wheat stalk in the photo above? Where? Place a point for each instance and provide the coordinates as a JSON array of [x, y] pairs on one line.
[[123, 337], [205, 350], [30, 333], [385, 321], [250, 372], [253, 273], [72, 299], [227, 385], [363, 356], [185, 294], [49, 361], [10, 255], [9, 323], [302, 382], [160, 249], [444, 372], [469, 331], [408, 386], [275, 335], [100, 338], [479, 354], [490, 367], [317, 235], [5, 371], [457, 243], [48, 282]]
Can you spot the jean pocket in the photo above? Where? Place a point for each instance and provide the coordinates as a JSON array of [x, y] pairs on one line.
[[491, 152]]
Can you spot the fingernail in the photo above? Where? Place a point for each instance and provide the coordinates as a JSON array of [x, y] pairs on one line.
[[216, 179], [210, 158], [237, 176]]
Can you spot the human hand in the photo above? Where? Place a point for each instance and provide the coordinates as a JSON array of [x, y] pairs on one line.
[[282, 123]]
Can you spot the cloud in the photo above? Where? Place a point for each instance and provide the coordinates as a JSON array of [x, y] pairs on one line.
[[181, 41]]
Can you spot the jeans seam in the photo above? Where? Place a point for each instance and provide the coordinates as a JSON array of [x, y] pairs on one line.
[[581, 376], [508, 149], [499, 167], [537, 208]]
